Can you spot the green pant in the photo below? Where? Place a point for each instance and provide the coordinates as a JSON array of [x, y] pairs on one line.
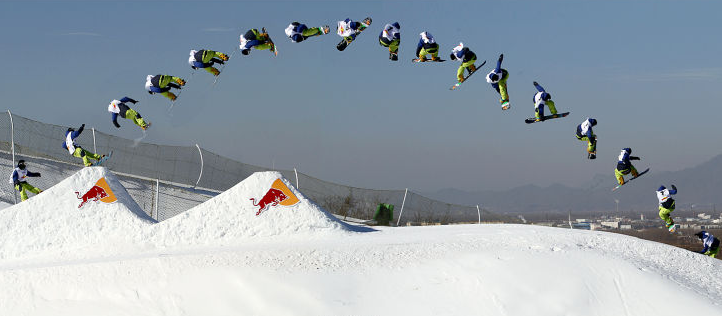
[[502, 89], [312, 31], [434, 51], [712, 252], [85, 155], [466, 65], [591, 145], [23, 187], [549, 104], [664, 214], [393, 46], [620, 173], [133, 116]]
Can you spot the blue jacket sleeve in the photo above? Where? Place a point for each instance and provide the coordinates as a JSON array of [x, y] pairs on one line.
[[115, 119], [33, 174], [672, 192], [498, 66], [418, 47], [252, 43], [15, 177], [126, 99], [539, 88]]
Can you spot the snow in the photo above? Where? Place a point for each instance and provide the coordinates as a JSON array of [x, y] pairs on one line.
[[220, 258]]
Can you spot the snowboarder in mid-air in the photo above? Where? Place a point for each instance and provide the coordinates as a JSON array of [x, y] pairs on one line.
[[541, 99], [162, 84], [624, 165], [298, 32], [710, 243], [349, 29], [666, 205], [205, 59], [69, 144], [427, 46], [497, 78], [391, 37], [585, 133], [19, 179], [119, 108], [255, 39], [467, 59]]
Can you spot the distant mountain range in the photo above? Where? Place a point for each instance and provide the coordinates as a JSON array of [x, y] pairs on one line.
[[699, 187]]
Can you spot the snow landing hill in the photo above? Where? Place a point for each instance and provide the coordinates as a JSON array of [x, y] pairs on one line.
[[262, 248]]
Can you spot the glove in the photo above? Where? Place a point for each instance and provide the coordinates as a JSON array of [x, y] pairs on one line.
[[501, 57], [82, 126], [133, 101], [535, 83], [38, 174], [674, 187]]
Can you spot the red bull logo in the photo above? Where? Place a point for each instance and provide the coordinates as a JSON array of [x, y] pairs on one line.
[[279, 193], [99, 192]]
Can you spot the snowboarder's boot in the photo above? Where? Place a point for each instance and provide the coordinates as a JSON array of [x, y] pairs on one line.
[[422, 59], [472, 68], [435, 58], [215, 71], [325, 29]]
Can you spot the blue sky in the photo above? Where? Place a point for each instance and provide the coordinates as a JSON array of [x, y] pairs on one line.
[[648, 71]]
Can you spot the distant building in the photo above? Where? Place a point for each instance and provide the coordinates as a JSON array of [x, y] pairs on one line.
[[625, 226], [704, 216], [582, 225], [614, 224]]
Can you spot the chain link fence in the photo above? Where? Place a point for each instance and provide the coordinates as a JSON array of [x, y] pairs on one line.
[[168, 180]]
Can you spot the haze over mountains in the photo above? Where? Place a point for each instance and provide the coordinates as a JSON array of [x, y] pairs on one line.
[[699, 187]]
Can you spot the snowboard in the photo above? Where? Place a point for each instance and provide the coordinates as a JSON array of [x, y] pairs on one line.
[[467, 77], [416, 60], [147, 125], [273, 49], [638, 175], [546, 117], [102, 160]]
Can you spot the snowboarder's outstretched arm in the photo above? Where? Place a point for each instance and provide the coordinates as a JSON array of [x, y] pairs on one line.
[[33, 174], [634, 158], [75, 134], [673, 191], [115, 119], [498, 63], [538, 87], [16, 181], [127, 99]]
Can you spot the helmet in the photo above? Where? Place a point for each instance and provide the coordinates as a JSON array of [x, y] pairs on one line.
[[70, 129], [494, 77], [396, 25], [297, 38], [661, 188], [245, 51], [628, 150], [452, 56], [593, 122], [700, 234], [21, 164]]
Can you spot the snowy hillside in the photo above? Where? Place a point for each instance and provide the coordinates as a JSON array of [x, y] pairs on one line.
[[262, 248]]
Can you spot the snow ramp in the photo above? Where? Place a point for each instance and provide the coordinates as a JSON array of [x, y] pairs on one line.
[[87, 212], [263, 205]]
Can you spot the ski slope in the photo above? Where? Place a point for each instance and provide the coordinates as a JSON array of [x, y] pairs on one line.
[[220, 258]]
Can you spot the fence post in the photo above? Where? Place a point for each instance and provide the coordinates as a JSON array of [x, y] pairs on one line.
[[479, 212], [201, 174], [95, 150], [157, 191], [402, 207], [296, 172], [12, 146]]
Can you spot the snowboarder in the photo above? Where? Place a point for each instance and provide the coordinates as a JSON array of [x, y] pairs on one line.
[[298, 32], [467, 59], [119, 108], [666, 204], [427, 46], [710, 243], [69, 144], [391, 37], [162, 84], [255, 39], [19, 179], [585, 133], [624, 165], [349, 29], [541, 99], [497, 78], [205, 59]]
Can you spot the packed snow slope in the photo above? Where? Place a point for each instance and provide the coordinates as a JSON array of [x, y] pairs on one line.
[[78, 214], [262, 248]]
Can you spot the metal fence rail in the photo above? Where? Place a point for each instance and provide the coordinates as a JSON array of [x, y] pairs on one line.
[[168, 180]]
